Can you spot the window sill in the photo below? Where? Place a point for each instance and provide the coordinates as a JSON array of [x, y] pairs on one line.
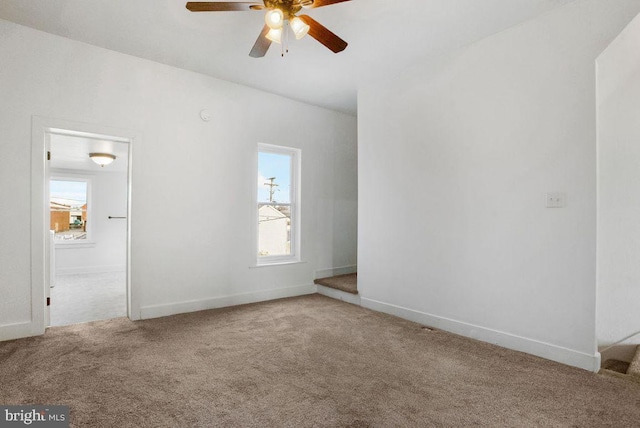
[[74, 245], [272, 264]]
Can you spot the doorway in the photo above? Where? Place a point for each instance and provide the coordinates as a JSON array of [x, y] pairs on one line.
[[88, 196], [81, 223], [618, 202]]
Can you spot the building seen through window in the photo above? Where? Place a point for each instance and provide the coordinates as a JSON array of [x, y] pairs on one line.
[[276, 203], [68, 209]]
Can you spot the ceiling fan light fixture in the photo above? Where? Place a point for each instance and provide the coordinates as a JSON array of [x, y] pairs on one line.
[[300, 29], [278, 15], [102, 159], [274, 19], [275, 35]]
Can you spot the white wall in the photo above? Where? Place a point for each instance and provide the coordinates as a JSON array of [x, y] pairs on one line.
[[339, 228], [107, 250], [180, 165], [455, 161], [619, 188]]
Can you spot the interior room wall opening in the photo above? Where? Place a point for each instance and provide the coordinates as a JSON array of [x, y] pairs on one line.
[[87, 204], [618, 109]]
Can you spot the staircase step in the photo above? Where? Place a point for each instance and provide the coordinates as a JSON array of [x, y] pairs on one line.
[[616, 366], [614, 374], [618, 375], [634, 368], [347, 283]]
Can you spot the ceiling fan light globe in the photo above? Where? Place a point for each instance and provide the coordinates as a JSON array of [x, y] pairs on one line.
[[300, 29], [275, 35], [274, 19]]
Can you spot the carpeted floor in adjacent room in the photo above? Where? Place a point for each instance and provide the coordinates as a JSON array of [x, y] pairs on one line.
[[307, 361], [88, 297]]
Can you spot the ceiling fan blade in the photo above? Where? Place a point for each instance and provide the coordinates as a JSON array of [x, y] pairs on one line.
[[261, 46], [221, 6], [323, 35], [321, 3]]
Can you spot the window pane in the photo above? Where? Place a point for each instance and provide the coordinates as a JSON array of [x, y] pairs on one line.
[[274, 178], [68, 209], [274, 230]]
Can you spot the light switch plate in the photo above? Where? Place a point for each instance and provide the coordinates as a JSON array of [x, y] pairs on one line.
[[556, 200]]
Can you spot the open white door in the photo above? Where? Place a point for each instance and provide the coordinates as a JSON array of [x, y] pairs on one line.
[[49, 270]]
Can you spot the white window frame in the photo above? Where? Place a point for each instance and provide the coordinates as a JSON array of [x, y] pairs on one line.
[[76, 243], [296, 185]]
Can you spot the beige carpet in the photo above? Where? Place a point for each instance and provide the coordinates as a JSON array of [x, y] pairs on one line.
[[348, 282], [88, 297], [634, 367], [302, 362]]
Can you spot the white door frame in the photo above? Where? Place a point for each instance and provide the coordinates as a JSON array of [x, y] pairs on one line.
[[41, 128]]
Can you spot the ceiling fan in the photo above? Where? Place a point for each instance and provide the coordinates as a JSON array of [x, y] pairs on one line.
[[279, 14]]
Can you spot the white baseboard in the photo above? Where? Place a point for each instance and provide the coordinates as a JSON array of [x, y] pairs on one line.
[[354, 299], [90, 269], [506, 340], [18, 330], [156, 311], [325, 273]]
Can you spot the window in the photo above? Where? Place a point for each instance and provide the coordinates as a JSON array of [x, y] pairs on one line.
[[69, 209], [278, 207]]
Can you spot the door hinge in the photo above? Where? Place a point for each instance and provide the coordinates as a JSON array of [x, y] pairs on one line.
[[48, 155], [48, 301]]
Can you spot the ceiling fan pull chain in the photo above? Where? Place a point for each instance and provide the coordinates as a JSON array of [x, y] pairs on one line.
[[284, 38]]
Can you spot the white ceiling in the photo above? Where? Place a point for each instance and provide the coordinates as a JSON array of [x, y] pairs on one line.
[[72, 153], [384, 36]]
